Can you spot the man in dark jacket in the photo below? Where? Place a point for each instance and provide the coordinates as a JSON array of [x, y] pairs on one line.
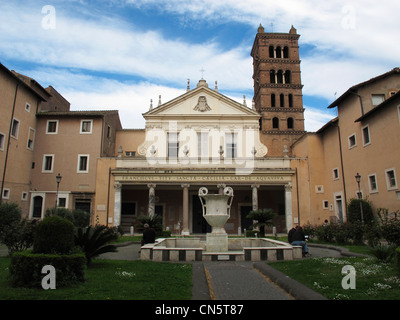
[[290, 234], [299, 239]]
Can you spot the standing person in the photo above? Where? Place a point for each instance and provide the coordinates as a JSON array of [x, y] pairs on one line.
[[290, 235], [299, 239], [149, 235]]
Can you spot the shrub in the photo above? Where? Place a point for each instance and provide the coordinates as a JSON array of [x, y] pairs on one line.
[[325, 233], [383, 252], [373, 234], [54, 235], [391, 231], [19, 236], [94, 240], [10, 213], [26, 268], [354, 211], [78, 217], [398, 259], [309, 230]]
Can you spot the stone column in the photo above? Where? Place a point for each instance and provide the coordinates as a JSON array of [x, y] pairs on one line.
[[255, 196], [185, 229], [288, 206], [152, 196], [117, 203]]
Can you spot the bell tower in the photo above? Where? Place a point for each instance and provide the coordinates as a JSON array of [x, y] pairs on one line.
[[278, 93]]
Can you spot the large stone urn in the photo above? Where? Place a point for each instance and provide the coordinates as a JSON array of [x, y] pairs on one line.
[[216, 211]]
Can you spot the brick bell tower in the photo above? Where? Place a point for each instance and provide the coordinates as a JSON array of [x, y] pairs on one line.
[[278, 93]]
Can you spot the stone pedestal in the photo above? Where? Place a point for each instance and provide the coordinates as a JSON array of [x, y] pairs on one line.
[[216, 242]]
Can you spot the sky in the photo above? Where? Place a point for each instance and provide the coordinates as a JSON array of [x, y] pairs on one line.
[[120, 54]]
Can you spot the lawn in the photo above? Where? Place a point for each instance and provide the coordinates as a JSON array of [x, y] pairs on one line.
[[113, 280], [374, 280]]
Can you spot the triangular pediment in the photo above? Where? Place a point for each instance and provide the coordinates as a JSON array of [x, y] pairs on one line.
[[201, 102]]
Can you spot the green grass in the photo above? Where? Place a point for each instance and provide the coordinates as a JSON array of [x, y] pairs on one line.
[[113, 280], [374, 280]]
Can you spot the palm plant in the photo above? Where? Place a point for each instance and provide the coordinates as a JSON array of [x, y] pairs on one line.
[[262, 218], [94, 240]]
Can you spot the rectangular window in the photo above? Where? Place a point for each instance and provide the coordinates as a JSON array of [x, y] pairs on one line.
[[373, 185], [24, 196], [202, 144], [86, 126], [231, 145], [391, 179], [83, 163], [173, 145], [62, 202], [15, 128], [325, 204], [335, 174], [48, 163], [352, 141], [366, 136], [6, 193], [31, 139], [27, 107], [2, 141], [52, 127], [377, 99]]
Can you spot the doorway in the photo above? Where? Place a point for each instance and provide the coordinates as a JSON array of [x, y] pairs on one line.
[[200, 224], [37, 207], [245, 222]]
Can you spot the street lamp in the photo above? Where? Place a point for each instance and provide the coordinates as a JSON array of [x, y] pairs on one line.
[[58, 179], [358, 179]]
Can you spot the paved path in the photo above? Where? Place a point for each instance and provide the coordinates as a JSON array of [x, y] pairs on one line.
[[240, 281]]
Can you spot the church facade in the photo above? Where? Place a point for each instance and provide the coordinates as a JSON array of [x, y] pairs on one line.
[[200, 139]]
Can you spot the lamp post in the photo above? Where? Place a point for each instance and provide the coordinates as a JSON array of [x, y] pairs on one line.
[[58, 179], [358, 179]]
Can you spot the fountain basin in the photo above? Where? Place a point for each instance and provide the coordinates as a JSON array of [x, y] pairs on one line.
[[239, 249]]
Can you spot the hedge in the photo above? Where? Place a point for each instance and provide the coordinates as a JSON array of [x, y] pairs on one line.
[[26, 268], [398, 259]]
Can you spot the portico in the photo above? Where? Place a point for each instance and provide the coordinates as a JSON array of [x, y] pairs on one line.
[[173, 195]]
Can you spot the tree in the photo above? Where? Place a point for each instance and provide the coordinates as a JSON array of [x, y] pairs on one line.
[[354, 211], [263, 218]]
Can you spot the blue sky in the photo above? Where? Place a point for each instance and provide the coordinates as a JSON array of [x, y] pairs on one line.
[[119, 54]]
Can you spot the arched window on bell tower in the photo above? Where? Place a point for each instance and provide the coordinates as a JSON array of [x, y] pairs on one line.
[[287, 76], [272, 76], [290, 100], [290, 123], [280, 76], [278, 52], [271, 52], [275, 123], [273, 100], [285, 52]]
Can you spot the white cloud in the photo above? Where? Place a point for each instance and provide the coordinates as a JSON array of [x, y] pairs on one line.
[[315, 119], [353, 41]]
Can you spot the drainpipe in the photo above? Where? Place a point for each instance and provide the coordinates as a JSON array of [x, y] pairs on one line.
[[8, 143]]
